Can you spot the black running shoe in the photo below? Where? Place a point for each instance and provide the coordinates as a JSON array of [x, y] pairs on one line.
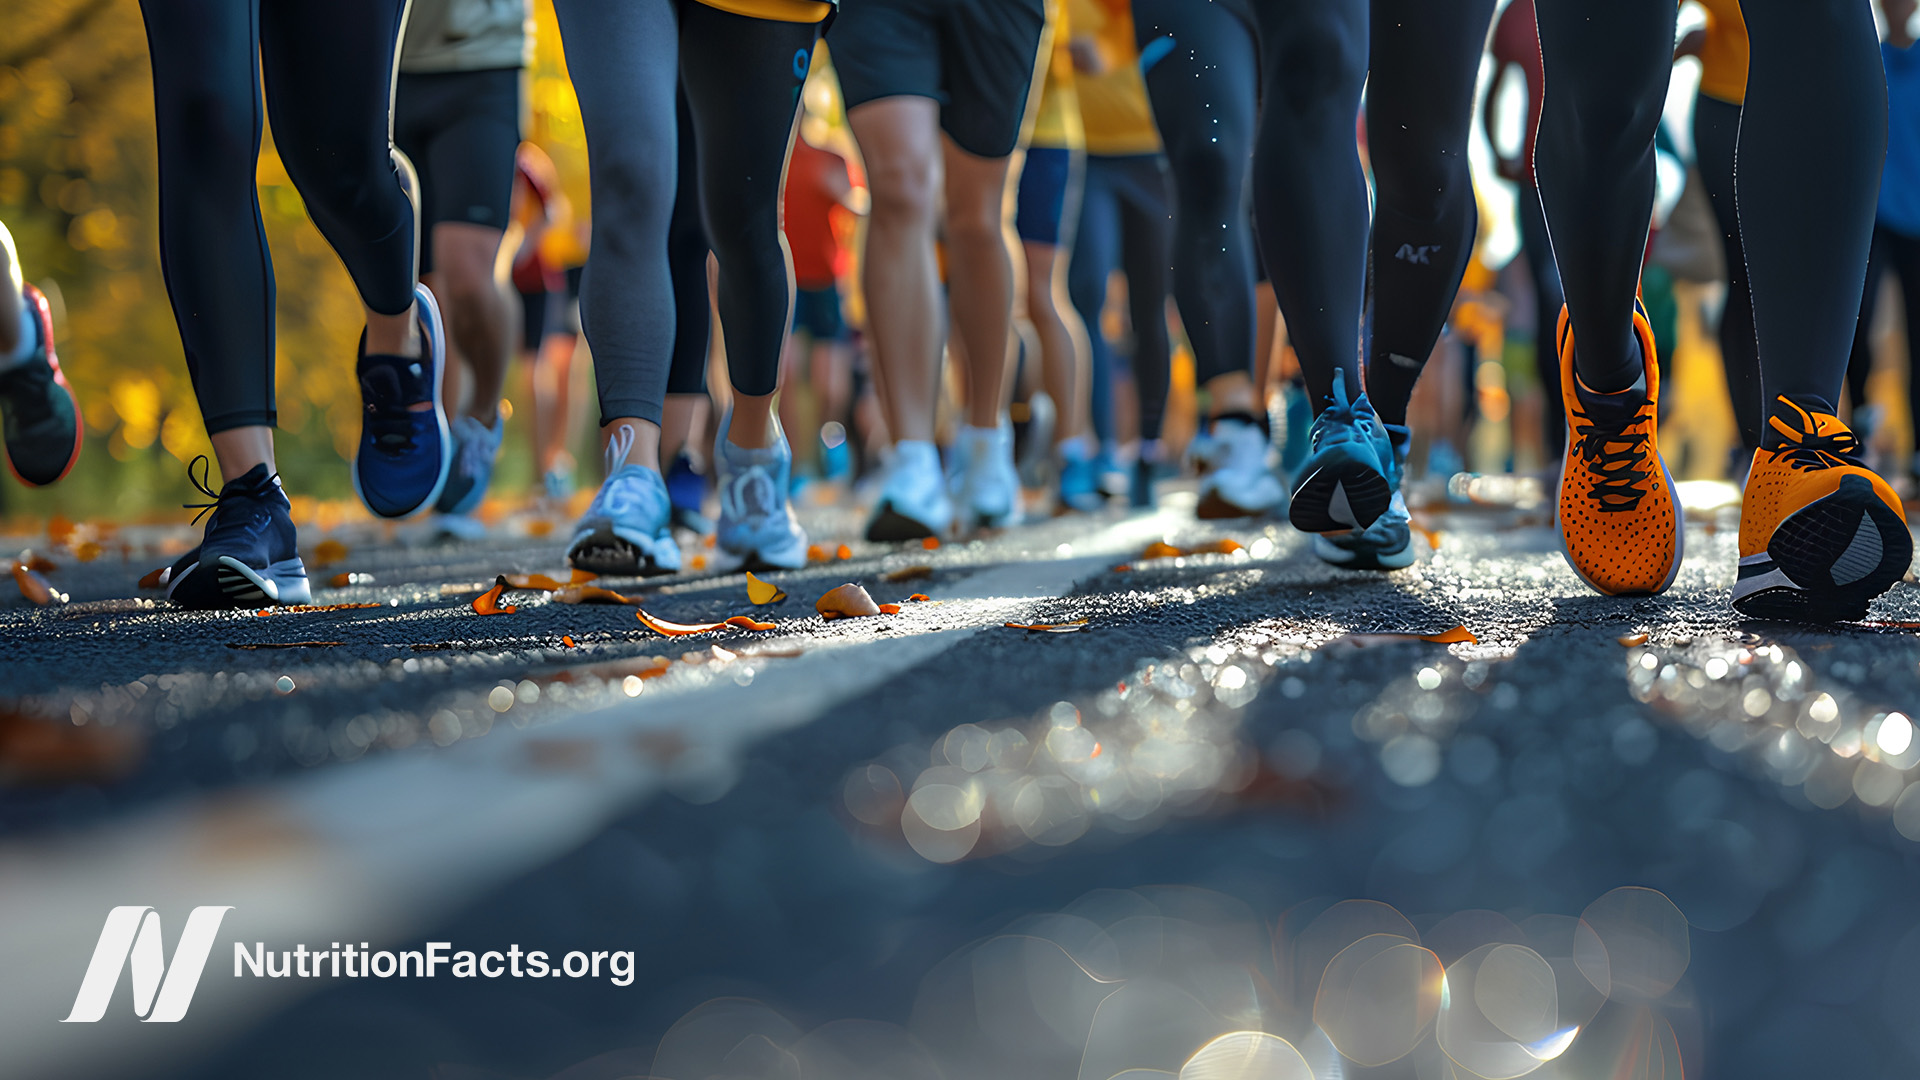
[[41, 422], [248, 555]]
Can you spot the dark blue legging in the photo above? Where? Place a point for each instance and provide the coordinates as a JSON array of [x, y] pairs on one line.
[[1126, 223], [327, 66]]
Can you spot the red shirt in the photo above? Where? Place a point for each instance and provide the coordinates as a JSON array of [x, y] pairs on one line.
[[815, 179], [1516, 41]]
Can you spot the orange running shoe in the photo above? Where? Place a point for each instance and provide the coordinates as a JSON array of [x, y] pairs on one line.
[[1620, 524], [1820, 534]]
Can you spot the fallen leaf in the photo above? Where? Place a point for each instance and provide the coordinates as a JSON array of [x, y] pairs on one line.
[[919, 598], [38, 562], [34, 587], [1633, 640], [59, 529], [151, 579], [908, 573], [329, 551], [488, 603], [847, 600], [1160, 549], [533, 581], [343, 579], [39, 751], [87, 551], [284, 644], [590, 594], [581, 577], [1049, 628], [748, 622], [674, 629], [539, 527], [930, 543], [1459, 635], [889, 609], [567, 640], [698, 562], [1223, 546], [1432, 535], [760, 593], [816, 553], [843, 552]]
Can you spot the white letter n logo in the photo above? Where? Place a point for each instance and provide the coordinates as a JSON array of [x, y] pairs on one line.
[[131, 938]]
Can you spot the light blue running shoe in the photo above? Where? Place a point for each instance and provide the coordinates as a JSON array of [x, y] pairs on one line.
[[405, 453], [475, 447], [756, 519], [1387, 544], [1343, 482], [626, 531], [1299, 421]]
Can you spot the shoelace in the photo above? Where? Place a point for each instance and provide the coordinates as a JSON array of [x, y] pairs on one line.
[[1812, 448], [1340, 412], [1617, 474], [615, 500], [200, 480], [388, 418]]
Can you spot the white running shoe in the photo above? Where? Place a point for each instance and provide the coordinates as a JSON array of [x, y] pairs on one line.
[[1243, 482], [990, 482], [914, 502]]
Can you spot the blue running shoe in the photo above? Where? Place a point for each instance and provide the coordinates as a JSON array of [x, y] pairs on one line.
[[1079, 478], [248, 554], [1343, 483], [756, 520], [687, 490], [1294, 448], [1387, 544], [627, 530], [475, 447], [405, 452], [836, 454]]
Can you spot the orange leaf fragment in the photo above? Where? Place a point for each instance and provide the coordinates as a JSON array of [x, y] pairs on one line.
[[344, 579], [930, 543], [761, 593], [1633, 640], [488, 603], [539, 527], [567, 640], [38, 562], [889, 609], [59, 529], [34, 587], [1459, 635], [1223, 546], [848, 600], [151, 579], [87, 551], [327, 552], [1049, 628], [919, 597], [908, 573], [674, 629], [698, 562], [581, 577], [1160, 549], [843, 552], [748, 622], [816, 553]]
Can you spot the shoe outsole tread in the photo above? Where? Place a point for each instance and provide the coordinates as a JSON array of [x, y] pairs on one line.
[[1808, 545], [1367, 492]]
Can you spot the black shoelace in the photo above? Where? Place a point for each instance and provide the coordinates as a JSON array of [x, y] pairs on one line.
[[1820, 451], [228, 493], [1617, 473], [388, 418]]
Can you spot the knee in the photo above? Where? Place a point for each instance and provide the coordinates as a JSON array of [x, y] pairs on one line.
[[213, 126], [636, 191], [903, 188], [747, 233], [1209, 178], [1318, 65]]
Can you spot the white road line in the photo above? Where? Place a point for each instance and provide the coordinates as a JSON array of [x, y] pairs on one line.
[[377, 849]]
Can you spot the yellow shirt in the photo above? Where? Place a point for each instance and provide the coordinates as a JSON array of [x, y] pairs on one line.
[[1057, 123], [799, 11], [1113, 103], [1723, 59]]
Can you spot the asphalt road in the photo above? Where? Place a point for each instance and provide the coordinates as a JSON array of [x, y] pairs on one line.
[[1640, 835]]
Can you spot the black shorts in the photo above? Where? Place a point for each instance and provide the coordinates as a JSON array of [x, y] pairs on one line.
[[461, 130], [817, 311], [975, 57], [533, 319]]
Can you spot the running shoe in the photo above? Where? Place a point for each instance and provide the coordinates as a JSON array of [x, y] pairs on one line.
[[37, 411], [1821, 535], [756, 520], [1147, 473], [476, 446], [989, 482], [1387, 544], [1079, 483], [1299, 439], [1112, 480], [1242, 482], [248, 555], [836, 454], [914, 502], [1343, 481], [406, 451], [1621, 526], [1033, 448], [626, 529], [687, 490]]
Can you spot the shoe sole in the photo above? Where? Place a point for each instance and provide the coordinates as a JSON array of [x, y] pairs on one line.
[[43, 317], [598, 550], [1848, 535], [889, 526], [436, 349], [1366, 560], [234, 584], [1335, 497]]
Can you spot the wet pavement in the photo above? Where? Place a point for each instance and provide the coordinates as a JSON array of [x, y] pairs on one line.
[[1237, 824]]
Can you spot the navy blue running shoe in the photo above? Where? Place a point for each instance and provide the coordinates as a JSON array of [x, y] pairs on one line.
[[688, 491], [247, 556], [405, 452]]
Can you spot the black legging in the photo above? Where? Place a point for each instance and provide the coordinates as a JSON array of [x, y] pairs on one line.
[[1547, 299], [1126, 221], [328, 72], [1204, 92], [1901, 254], [1716, 124], [1423, 61], [687, 250], [742, 77], [1811, 143], [1311, 206]]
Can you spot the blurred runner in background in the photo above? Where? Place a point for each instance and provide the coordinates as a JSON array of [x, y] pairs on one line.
[[38, 416]]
